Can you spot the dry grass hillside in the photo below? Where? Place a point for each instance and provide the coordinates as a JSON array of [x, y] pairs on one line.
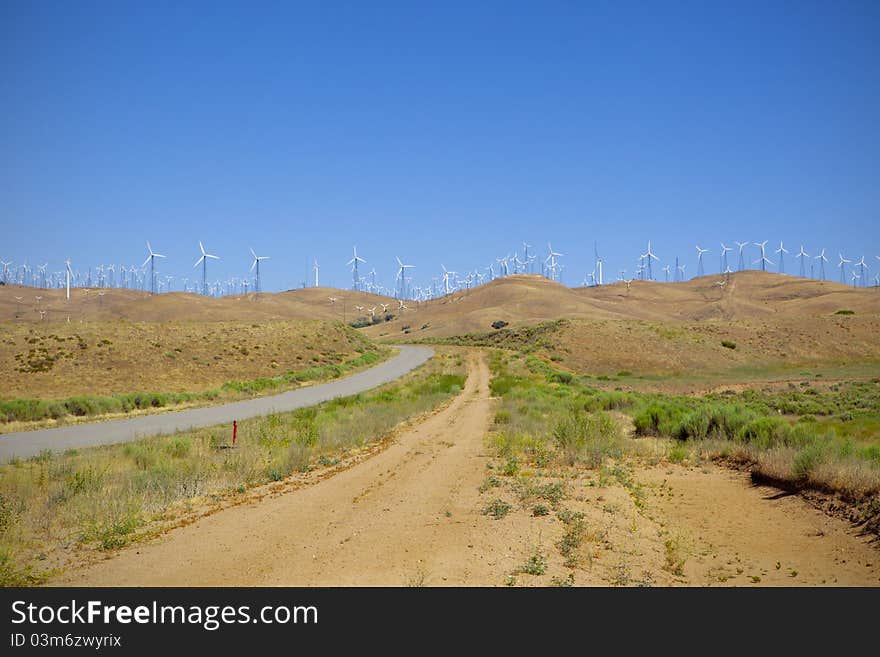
[[56, 360], [526, 299], [91, 305], [693, 357]]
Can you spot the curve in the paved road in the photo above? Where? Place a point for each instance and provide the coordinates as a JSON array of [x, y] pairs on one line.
[[30, 443]]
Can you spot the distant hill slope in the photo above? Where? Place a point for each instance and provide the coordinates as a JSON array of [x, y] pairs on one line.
[[305, 303], [527, 299], [521, 299]]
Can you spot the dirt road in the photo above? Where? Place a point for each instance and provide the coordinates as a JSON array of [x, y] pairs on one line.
[[411, 515], [403, 516]]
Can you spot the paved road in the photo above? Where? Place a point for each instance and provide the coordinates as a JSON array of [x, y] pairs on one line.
[[30, 443]]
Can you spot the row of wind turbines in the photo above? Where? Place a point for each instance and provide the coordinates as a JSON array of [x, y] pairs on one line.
[[859, 278], [147, 277]]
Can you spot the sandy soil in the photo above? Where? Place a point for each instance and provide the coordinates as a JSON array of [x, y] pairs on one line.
[[411, 515], [732, 532]]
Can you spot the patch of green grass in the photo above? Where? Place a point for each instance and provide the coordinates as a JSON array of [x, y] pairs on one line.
[[35, 410], [536, 564], [497, 508]]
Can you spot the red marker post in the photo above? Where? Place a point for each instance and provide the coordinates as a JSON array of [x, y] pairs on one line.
[[234, 431]]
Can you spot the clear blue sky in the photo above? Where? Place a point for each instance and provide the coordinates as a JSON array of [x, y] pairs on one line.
[[441, 132]]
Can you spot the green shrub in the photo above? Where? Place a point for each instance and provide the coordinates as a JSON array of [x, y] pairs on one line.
[[728, 344], [588, 438]]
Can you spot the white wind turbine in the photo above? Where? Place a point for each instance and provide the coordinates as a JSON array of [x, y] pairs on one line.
[[723, 258], [802, 254], [354, 268], [842, 264], [203, 261], [700, 253], [68, 273], [551, 259], [446, 274], [649, 255], [741, 264], [861, 263], [666, 271], [315, 268], [822, 260], [151, 259], [256, 263], [527, 259], [401, 275], [764, 260], [781, 251], [5, 270]]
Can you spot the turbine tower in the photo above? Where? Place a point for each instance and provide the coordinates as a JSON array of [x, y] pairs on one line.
[[446, 274], [68, 272], [203, 261], [722, 266], [401, 277], [741, 265], [151, 259], [599, 278], [822, 260], [802, 254], [315, 267], [354, 269], [842, 264], [781, 251], [861, 263], [256, 264], [700, 253], [648, 256]]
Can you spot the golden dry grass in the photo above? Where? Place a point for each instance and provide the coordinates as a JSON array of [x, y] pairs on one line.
[[526, 299], [91, 305], [56, 360]]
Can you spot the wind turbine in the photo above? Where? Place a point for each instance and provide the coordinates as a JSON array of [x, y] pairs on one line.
[[741, 246], [315, 267], [5, 270], [354, 262], [842, 265], [551, 258], [861, 263], [802, 254], [151, 259], [446, 274], [723, 262], [666, 271], [822, 260], [700, 253], [648, 256], [68, 273], [763, 259], [401, 275], [256, 264], [528, 261], [203, 261], [781, 251]]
